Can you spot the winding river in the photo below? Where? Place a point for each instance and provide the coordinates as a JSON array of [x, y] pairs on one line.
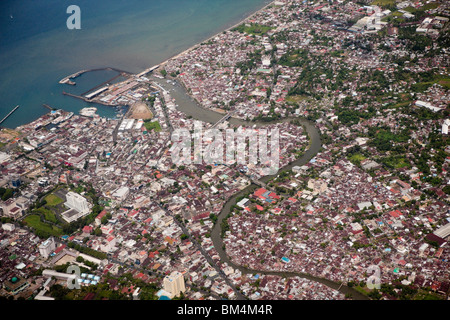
[[190, 107]]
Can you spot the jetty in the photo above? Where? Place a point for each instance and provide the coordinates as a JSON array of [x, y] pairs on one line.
[[147, 70], [68, 79], [84, 98], [10, 113], [48, 107]]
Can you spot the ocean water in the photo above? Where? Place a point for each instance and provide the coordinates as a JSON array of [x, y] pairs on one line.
[[37, 49]]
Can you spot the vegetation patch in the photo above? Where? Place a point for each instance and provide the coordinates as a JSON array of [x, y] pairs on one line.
[[53, 200], [357, 158], [42, 229], [152, 126], [253, 28], [395, 162]]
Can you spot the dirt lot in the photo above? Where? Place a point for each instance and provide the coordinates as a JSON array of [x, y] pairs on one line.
[[65, 259], [140, 111], [7, 135]]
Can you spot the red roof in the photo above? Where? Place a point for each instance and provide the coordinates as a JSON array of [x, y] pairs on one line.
[[101, 214], [60, 248], [259, 192], [87, 229]]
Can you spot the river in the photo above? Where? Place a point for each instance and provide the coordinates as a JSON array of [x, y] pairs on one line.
[[190, 107]]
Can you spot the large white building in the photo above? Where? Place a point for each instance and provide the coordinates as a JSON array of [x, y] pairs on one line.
[[174, 284], [78, 207], [47, 247], [77, 202]]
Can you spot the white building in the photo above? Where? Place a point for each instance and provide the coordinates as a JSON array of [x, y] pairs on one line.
[[8, 227], [76, 202], [445, 126], [47, 247], [427, 105], [78, 207], [121, 193], [174, 284]]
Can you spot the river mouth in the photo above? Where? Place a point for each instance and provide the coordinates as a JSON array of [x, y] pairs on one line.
[[191, 108]]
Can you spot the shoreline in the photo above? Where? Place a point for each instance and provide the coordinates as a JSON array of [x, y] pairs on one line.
[[271, 2], [165, 61]]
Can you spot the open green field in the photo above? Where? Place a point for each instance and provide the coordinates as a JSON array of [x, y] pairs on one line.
[[153, 126], [425, 295], [295, 99], [48, 214], [256, 29], [53, 200], [34, 222], [383, 2], [357, 158]]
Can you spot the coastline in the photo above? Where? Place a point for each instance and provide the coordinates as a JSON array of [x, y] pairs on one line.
[[271, 2], [325, 281]]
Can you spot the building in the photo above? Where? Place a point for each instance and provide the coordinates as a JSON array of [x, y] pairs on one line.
[[16, 181], [174, 284], [443, 232], [76, 202], [15, 285], [8, 227], [427, 105], [445, 126], [10, 209], [47, 247], [121, 194], [78, 207]]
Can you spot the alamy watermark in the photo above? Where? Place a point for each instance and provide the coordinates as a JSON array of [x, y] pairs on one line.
[[374, 280], [214, 146], [72, 281], [74, 20]]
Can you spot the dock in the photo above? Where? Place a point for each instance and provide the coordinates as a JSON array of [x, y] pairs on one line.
[[83, 98], [147, 70], [102, 84], [67, 80], [10, 113]]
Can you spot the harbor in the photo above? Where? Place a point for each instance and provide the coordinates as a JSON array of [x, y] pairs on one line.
[[69, 78]]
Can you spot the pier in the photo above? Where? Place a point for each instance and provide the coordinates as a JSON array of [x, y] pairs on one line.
[[48, 107], [83, 98], [68, 80], [147, 71], [10, 113], [102, 84]]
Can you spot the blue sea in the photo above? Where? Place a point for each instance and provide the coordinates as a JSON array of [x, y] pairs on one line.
[[37, 49]]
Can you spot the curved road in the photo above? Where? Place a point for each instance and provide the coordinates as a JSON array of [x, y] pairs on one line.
[[187, 105]]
